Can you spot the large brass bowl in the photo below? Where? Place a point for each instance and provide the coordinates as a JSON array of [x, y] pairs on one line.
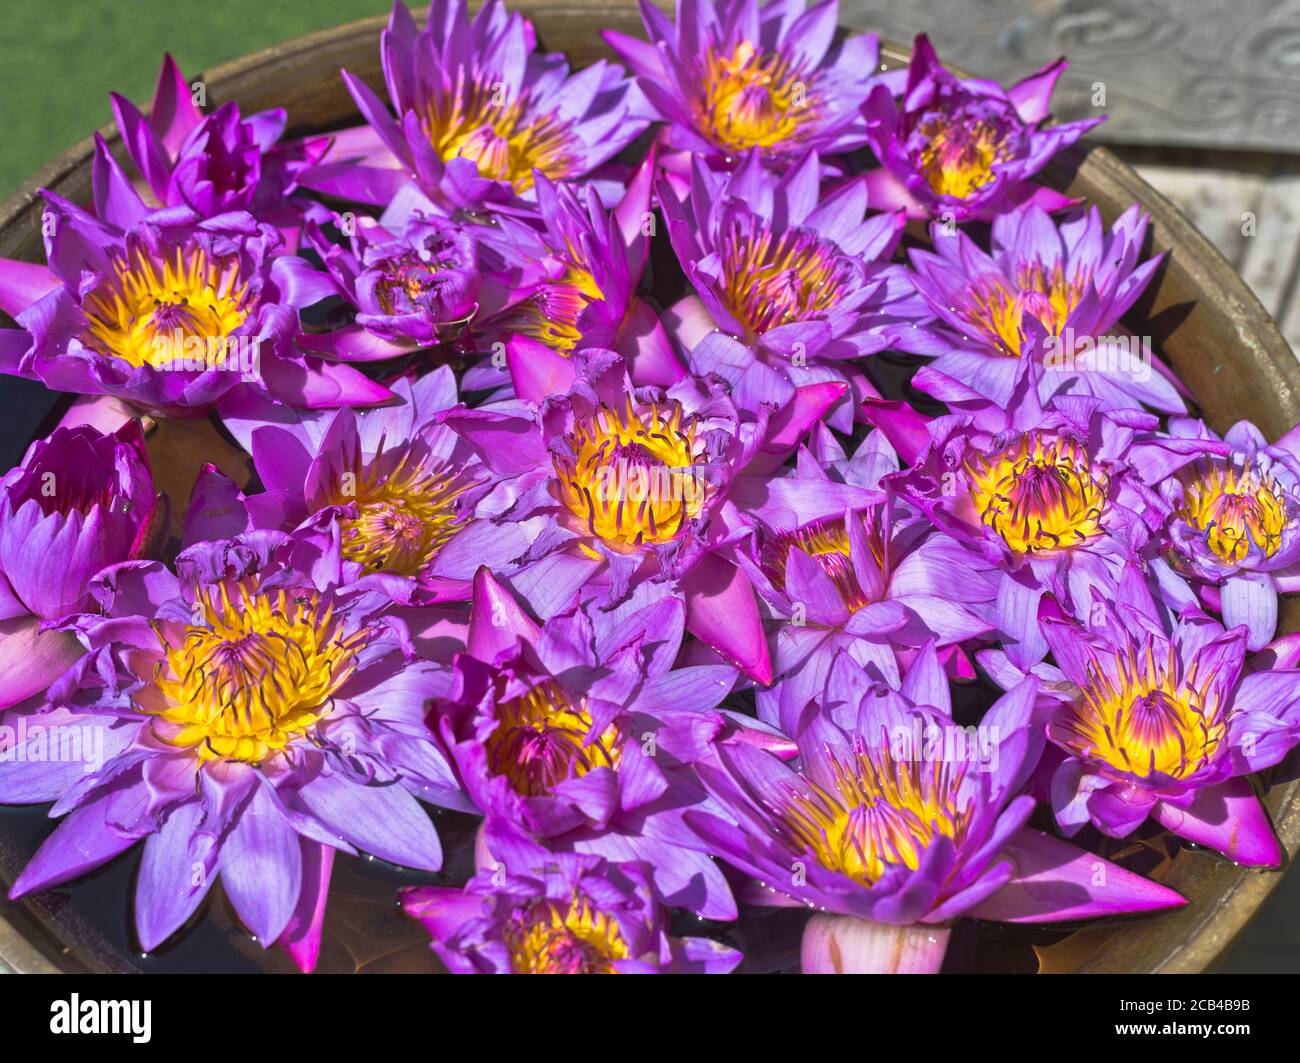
[[1201, 315]]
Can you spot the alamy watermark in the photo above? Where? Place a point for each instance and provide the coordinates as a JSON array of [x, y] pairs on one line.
[[1114, 355], [930, 743], [179, 352], [636, 482], [28, 742]]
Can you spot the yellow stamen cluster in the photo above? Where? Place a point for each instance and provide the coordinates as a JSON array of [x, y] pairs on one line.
[[958, 159], [1236, 507], [879, 813], [630, 477], [254, 673], [476, 122], [773, 279], [550, 314], [405, 510], [1047, 294], [554, 939], [1139, 716], [752, 99], [136, 313], [827, 543], [1039, 495], [544, 737]]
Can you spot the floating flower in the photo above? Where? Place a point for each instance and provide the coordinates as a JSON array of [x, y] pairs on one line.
[[253, 717], [1167, 726], [846, 569], [581, 272], [410, 289], [401, 485], [557, 913], [579, 731], [893, 814], [1235, 519], [742, 77], [1075, 282], [216, 163], [620, 486], [964, 150], [166, 310], [789, 290], [1043, 493], [80, 501], [478, 111]]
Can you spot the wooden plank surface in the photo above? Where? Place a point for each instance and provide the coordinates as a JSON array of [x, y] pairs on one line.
[[1248, 205], [1212, 73]]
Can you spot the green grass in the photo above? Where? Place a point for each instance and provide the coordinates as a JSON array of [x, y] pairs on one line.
[[63, 57]]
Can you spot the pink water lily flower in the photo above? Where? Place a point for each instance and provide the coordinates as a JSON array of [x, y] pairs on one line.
[[541, 912], [477, 110], [612, 486], [894, 815], [792, 287], [742, 77], [1055, 293], [844, 566], [961, 150], [81, 500], [1167, 724], [581, 730], [167, 310], [218, 162]]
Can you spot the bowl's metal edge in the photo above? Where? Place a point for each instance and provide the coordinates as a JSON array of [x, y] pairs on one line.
[[1190, 940]]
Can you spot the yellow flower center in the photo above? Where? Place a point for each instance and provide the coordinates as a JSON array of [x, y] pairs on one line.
[[139, 312], [544, 738], [751, 99], [771, 279], [254, 673], [550, 314], [1139, 717], [827, 543], [1235, 508], [476, 122], [880, 812], [553, 939], [405, 510], [630, 475], [958, 157], [1041, 494], [999, 311]]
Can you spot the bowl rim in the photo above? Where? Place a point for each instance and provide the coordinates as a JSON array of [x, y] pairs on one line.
[[1198, 939]]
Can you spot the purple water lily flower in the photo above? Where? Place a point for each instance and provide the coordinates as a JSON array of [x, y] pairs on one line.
[[1074, 281], [580, 267], [894, 814], [790, 291], [214, 163], [248, 716], [740, 77], [1045, 494], [1235, 519], [579, 731], [80, 501], [403, 487], [167, 310], [845, 567], [615, 486], [541, 912], [478, 111], [410, 289], [961, 150], [1167, 726]]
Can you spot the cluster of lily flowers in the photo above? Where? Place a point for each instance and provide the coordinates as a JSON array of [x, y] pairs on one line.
[[661, 587]]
